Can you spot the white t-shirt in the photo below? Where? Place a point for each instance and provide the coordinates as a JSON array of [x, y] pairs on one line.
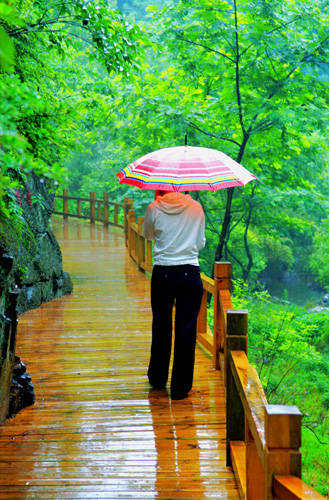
[[176, 222]]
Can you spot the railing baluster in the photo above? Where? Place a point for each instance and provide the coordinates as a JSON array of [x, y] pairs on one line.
[[106, 209], [65, 204], [131, 233], [92, 208], [128, 205], [222, 302], [141, 242], [149, 254], [202, 317]]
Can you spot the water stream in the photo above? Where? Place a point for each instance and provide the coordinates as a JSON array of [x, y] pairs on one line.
[[297, 291]]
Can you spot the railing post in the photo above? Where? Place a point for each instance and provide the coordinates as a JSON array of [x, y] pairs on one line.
[[99, 210], [236, 340], [106, 209], [79, 208], [222, 284], [149, 254], [131, 233], [141, 242], [202, 317], [283, 442], [128, 205], [65, 204], [92, 208]]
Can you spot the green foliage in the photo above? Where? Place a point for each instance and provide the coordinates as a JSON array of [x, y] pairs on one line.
[[47, 86], [319, 258], [255, 91], [110, 39], [289, 348], [258, 92], [316, 460], [278, 254], [15, 230], [6, 44]]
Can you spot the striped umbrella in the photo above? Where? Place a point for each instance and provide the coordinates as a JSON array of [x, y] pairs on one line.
[[185, 168]]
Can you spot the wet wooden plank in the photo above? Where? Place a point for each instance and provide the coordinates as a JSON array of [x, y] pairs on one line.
[[97, 429]]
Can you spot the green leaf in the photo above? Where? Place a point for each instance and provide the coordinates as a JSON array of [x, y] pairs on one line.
[[7, 51]]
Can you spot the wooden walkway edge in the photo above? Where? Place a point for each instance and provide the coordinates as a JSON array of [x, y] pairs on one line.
[[97, 429]]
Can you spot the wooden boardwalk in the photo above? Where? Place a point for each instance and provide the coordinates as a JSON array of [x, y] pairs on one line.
[[97, 430]]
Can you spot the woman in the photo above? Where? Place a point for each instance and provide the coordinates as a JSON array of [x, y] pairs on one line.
[[176, 222]]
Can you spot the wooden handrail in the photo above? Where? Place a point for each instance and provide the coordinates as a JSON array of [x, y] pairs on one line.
[[97, 207], [263, 441], [292, 488]]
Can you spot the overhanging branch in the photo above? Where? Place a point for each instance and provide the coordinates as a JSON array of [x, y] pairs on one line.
[[209, 49], [190, 124]]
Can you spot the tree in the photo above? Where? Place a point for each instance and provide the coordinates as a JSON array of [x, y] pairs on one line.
[[40, 108], [258, 90]]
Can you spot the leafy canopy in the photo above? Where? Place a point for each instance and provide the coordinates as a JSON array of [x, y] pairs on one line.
[[39, 107]]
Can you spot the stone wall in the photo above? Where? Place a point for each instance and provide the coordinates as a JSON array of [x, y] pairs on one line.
[[38, 269], [30, 274]]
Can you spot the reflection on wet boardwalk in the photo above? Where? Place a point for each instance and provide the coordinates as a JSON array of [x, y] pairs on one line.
[[97, 430]]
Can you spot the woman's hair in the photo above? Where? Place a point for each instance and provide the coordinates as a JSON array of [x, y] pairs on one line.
[[162, 192]]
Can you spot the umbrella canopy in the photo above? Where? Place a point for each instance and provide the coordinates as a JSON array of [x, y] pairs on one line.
[[185, 168]]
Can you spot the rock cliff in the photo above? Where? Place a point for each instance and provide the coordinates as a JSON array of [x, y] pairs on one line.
[[38, 268]]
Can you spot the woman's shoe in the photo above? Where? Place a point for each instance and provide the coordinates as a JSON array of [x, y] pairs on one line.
[[178, 396]]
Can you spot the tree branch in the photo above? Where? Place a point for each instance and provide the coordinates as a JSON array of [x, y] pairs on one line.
[[236, 259], [26, 29], [190, 124], [315, 434], [206, 48], [245, 238], [264, 36]]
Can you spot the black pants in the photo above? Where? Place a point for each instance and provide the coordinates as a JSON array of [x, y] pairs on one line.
[[184, 284]]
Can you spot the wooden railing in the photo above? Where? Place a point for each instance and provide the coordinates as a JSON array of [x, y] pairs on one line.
[[99, 209], [263, 440]]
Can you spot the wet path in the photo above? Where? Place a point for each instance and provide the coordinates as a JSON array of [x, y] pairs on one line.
[[97, 431]]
